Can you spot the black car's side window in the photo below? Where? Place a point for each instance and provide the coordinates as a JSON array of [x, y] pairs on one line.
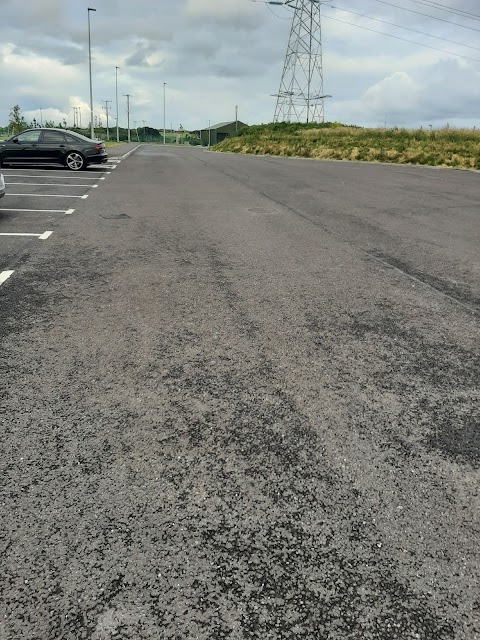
[[72, 140], [28, 136], [56, 137]]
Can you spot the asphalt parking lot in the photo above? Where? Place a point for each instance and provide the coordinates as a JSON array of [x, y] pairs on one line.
[[38, 197], [240, 401]]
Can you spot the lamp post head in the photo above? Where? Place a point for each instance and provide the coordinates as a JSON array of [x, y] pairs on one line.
[[90, 9]]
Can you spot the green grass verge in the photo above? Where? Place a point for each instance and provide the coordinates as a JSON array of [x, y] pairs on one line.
[[457, 148]]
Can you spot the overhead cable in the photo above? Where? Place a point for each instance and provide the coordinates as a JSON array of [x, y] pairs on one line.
[[426, 15], [448, 9], [392, 24], [389, 35], [276, 15]]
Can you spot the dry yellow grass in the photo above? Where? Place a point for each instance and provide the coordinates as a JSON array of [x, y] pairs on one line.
[[459, 148]]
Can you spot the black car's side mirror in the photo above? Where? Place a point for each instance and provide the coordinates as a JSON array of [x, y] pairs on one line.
[[15, 140]]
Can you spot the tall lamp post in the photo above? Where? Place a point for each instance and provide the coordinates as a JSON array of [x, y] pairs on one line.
[[164, 110], [116, 91], [92, 130]]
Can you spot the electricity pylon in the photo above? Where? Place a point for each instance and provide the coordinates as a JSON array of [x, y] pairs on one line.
[[300, 97]]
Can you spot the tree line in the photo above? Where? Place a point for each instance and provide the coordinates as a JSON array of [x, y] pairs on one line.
[[17, 123]]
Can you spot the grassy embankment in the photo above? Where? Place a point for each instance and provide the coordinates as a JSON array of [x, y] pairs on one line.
[[457, 148]]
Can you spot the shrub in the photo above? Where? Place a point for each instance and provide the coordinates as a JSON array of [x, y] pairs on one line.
[[334, 140]]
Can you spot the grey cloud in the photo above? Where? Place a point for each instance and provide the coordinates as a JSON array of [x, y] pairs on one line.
[[410, 99], [66, 53], [224, 52], [140, 57]]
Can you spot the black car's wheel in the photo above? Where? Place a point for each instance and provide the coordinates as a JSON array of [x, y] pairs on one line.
[[75, 161]]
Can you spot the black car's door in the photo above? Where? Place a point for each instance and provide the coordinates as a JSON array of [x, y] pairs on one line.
[[22, 148], [52, 146]]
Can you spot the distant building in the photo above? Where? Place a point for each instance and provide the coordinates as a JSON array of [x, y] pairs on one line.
[[219, 132]]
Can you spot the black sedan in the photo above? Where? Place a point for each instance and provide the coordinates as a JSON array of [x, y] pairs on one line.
[[52, 146]]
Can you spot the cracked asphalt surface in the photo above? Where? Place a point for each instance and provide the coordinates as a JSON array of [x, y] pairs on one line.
[[240, 400]]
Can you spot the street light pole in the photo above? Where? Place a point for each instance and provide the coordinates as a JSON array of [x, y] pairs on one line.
[[164, 110], [128, 96], [107, 109], [92, 130], [116, 91]]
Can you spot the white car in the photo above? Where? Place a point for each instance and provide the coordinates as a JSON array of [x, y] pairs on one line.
[[2, 186]]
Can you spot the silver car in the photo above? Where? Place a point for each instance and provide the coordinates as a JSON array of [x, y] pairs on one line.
[[2, 186]]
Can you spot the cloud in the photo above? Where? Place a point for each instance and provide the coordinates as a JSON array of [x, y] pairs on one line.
[[215, 54], [393, 94], [146, 54], [415, 98], [219, 9]]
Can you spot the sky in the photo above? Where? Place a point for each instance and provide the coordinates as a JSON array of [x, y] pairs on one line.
[[215, 55]]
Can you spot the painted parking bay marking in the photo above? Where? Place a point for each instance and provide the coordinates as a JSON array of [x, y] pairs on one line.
[[40, 236], [5, 275], [48, 177], [51, 184], [67, 212], [45, 195]]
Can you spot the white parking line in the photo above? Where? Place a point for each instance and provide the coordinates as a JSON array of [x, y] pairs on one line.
[[5, 275], [43, 195], [40, 236], [50, 184], [68, 211], [129, 153], [27, 175]]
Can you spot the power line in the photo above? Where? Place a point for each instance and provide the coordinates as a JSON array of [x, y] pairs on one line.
[[276, 15], [426, 15], [392, 24], [389, 35], [444, 7]]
